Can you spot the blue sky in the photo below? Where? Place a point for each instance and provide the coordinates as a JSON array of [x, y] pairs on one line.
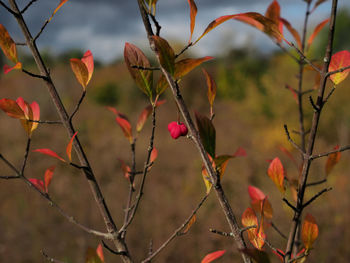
[[103, 26]]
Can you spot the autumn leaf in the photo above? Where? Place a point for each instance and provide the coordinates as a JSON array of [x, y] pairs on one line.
[[212, 256], [48, 177], [193, 13], [211, 93], [133, 56], [259, 202], [182, 68], [39, 184], [62, 2], [276, 173], [339, 60], [273, 13], [50, 153], [7, 68], [146, 112], [332, 160], [189, 224], [154, 155], [152, 5], [92, 256], [317, 4], [99, 252], [165, 54], [316, 31], [69, 147], [125, 126], [206, 179], [83, 68], [7, 45], [254, 235], [309, 231], [88, 60], [36, 114], [11, 108], [125, 168], [293, 32]]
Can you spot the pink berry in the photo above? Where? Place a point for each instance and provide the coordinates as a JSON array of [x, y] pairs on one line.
[[177, 129], [183, 129]]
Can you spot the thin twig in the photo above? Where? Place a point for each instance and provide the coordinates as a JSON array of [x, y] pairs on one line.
[[329, 95], [278, 231], [177, 232], [291, 140], [9, 177], [184, 49], [46, 122], [157, 25], [27, 6], [289, 204], [8, 9], [112, 250], [77, 106], [316, 196], [316, 183], [41, 30], [20, 44], [298, 257], [304, 58], [337, 71], [26, 153], [221, 233], [10, 165], [341, 149], [145, 68], [34, 75], [287, 52], [273, 248], [314, 106], [50, 259]]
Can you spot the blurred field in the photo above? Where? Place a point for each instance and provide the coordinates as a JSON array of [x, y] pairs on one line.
[[251, 108]]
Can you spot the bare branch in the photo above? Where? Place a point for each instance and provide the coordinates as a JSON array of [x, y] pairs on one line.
[[289, 204], [304, 58], [316, 196], [10, 165], [278, 231], [8, 9], [184, 49], [27, 6], [145, 68], [9, 177], [49, 259], [41, 30], [291, 140], [316, 183], [157, 25], [329, 95], [225, 234], [314, 106], [77, 106], [337, 71], [34, 75], [341, 149]]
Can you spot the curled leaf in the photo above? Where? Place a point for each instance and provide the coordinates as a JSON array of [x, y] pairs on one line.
[[276, 173], [211, 93], [309, 231], [193, 13], [69, 147], [83, 68], [125, 126], [212, 256], [99, 252], [145, 114], [249, 219], [50, 153], [11, 108], [292, 30], [48, 177]]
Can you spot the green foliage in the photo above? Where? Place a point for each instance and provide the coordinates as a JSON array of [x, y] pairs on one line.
[[106, 94]]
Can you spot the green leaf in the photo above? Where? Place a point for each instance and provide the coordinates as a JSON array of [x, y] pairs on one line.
[[165, 53], [207, 133]]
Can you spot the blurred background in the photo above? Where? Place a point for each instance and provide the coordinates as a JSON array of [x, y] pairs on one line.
[[251, 107]]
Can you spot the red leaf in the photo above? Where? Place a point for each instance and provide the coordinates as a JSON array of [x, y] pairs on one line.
[[145, 114], [259, 202], [50, 153], [48, 177], [294, 33], [193, 13], [309, 231], [133, 56], [254, 235], [273, 13], [339, 60], [69, 147], [332, 160], [88, 60], [255, 193], [7, 45], [125, 126], [295, 95], [212, 256], [126, 169], [36, 114], [99, 252], [165, 54], [276, 173], [7, 68], [39, 184], [316, 31], [154, 155], [211, 87], [11, 108], [240, 152]]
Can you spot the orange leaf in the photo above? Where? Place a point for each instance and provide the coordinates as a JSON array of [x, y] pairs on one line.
[[11, 108], [259, 202], [255, 193], [165, 54], [182, 68], [99, 252], [80, 71], [273, 13], [57, 8], [193, 13], [145, 114], [28, 114], [7, 45], [291, 30], [249, 219], [212, 256], [339, 60], [276, 173], [126, 169], [7, 68], [125, 126], [332, 160], [69, 147], [316, 31], [211, 87], [39, 184], [317, 4], [36, 114], [190, 223], [92, 256], [154, 155], [50, 153], [309, 231], [48, 177], [133, 56], [88, 60]]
